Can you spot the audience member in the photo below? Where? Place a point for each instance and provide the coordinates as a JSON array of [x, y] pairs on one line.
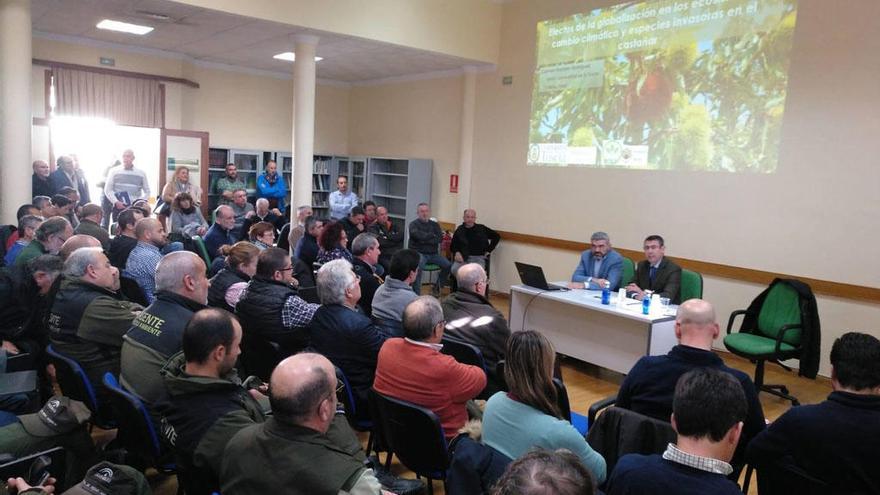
[[424, 237], [126, 184], [143, 205], [27, 230], [89, 317], [544, 472], [707, 414], [207, 404], [297, 231], [365, 250], [75, 242], [241, 210], [222, 232], [656, 273], [369, 213], [48, 239], [389, 236], [342, 334], [599, 266], [353, 224], [228, 184], [25, 209], [180, 183], [102, 478], [125, 240], [65, 207], [227, 285], [392, 297], [156, 334], [528, 415], [835, 440], [342, 200], [271, 185], [41, 185], [141, 265], [414, 370], [306, 249], [44, 204], [471, 318], [186, 217], [24, 305], [472, 242], [90, 224], [262, 213], [65, 175], [332, 242], [269, 306], [262, 235]]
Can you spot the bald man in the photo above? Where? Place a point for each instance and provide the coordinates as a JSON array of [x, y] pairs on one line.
[[222, 232], [306, 446], [75, 242], [40, 183], [650, 385], [141, 264], [472, 241]]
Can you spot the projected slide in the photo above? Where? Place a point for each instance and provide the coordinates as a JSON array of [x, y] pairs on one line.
[[663, 85]]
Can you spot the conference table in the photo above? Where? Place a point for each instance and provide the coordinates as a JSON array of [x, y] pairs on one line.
[[580, 326]]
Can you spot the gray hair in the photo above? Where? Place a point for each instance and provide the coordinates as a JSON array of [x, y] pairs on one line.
[[173, 267], [261, 201], [334, 277], [222, 208], [300, 209], [78, 262], [470, 275], [600, 236], [50, 227], [31, 221], [420, 317], [362, 242]]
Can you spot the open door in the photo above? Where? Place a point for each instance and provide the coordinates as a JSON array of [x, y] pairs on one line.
[[189, 148]]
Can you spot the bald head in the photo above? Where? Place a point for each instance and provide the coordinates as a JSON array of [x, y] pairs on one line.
[[75, 242], [183, 273], [302, 391], [695, 324], [470, 275]]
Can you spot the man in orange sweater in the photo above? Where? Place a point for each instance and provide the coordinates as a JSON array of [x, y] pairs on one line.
[[414, 370]]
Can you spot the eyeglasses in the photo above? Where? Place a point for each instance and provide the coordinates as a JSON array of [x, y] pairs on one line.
[[285, 269]]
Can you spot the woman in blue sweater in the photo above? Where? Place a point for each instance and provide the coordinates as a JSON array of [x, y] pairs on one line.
[[528, 416]]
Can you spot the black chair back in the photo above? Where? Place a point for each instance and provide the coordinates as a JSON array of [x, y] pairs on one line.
[[782, 478], [136, 432], [562, 399], [619, 431], [132, 291], [463, 352], [391, 328], [259, 356]]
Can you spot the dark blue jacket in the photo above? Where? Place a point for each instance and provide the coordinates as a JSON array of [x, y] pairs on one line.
[[637, 474], [217, 236]]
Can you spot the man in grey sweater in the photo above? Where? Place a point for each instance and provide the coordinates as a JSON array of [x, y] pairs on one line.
[[393, 296]]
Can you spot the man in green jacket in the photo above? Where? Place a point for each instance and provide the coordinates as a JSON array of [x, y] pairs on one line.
[[207, 404]]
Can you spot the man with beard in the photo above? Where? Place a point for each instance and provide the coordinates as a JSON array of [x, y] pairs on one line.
[[142, 262]]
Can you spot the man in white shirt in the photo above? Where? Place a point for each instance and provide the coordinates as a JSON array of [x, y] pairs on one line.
[[342, 200]]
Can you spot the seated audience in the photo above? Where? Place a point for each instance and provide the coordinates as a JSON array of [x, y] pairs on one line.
[[48, 239], [472, 242], [75, 242], [528, 415], [425, 235], [90, 224], [141, 264], [396, 292], [66, 208], [306, 249], [470, 317], [365, 250], [156, 334], [306, 446], [125, 480], [27, 230], [222, 232], [346, 337], [656, 273], [835, 440], [650, 386], [186, 217], [353, 224], [44, 204], [207, 404], [544, 472], [270, 307], [599, 266], [89, 317], [180, 184], [125, 240], [708, 411], [332, 243], [24, 305], [414, 370], [296, 231], [389, 236], [228, 284], [262, 235], [25, 209], [241, 211], [369, 213], [262, 213]]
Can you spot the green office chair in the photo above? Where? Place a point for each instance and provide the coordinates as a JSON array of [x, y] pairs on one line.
[[691, 285], [200, 245], [629, 272], [774, 335]]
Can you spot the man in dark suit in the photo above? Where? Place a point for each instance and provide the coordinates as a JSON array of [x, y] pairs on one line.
[[66, 175], [656, 274]]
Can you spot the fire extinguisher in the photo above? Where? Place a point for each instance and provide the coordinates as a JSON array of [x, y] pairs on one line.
[[446, 244]]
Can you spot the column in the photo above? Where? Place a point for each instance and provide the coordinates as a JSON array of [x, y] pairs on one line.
[[303, 121], [466, 151], [15, 107]]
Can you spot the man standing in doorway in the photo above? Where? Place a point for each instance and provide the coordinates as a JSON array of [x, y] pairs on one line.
[[126, 183]]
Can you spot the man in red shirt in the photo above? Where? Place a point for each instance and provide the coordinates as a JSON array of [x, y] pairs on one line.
[[414, 370]]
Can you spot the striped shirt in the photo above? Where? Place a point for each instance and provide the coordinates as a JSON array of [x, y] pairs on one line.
[[133, 181]]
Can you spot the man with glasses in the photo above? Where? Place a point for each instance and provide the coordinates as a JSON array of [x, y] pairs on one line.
[[598, 266], [270, 307], [48, 239]]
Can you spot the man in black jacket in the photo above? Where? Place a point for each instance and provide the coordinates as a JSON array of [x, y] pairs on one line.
[[365, 249], [389, 236], [472, 241], [306, 249], [656, 273], [353, 224], [424, 237]]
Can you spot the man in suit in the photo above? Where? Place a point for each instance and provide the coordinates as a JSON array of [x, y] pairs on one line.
[[66, 175], [656, 273], [598, 265]]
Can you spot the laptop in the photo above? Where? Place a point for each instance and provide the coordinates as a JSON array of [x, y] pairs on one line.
[[533, 276]]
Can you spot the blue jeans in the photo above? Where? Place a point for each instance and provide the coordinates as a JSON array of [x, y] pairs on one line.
[[438, 260]]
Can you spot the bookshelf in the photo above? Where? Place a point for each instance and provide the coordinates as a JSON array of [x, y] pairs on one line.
[[399, 185]]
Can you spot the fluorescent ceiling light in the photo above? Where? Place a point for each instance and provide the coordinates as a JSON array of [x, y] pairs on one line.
[[123, 27], [291, 57]]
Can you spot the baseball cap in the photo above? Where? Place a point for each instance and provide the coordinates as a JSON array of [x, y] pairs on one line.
[[59, 415], [106, 478]]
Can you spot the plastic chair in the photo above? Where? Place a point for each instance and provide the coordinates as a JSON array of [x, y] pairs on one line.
[[691, 285], [76, 385], [414, 435], [203, 249], [629, 272], [430, 269], [136, 432]]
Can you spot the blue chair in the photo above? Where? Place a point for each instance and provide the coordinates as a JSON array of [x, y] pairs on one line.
[[356, 419], [76, 385], [136, 432]]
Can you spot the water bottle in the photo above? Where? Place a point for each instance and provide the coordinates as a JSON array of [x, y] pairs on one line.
[[606, 293], [646, 303]]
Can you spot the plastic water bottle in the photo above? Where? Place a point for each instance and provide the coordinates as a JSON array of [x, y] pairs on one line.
[[646, 303], [606, 293]]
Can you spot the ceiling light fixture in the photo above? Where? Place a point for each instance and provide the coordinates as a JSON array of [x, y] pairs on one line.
[[291, 57], [123, 27]]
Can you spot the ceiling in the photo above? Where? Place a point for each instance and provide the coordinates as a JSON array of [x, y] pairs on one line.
[[218, 37]]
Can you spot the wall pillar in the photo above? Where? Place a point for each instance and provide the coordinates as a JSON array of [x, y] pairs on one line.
[[303, 121], [15, 107], [466, 151]]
